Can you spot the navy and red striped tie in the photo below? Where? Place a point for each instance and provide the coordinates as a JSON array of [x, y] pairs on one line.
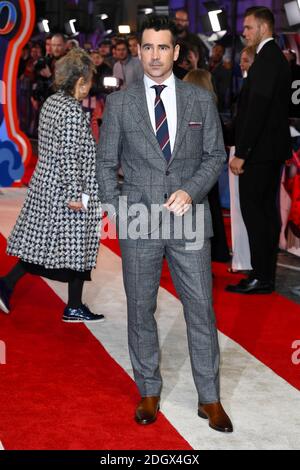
[[162, 130]]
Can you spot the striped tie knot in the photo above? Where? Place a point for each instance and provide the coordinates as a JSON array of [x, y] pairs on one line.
[[158, 89]]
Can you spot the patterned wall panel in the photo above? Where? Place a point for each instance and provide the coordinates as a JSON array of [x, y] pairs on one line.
[[16, 23]]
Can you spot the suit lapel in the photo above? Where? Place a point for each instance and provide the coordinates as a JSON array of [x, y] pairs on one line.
[[184, 110], [140, 113]]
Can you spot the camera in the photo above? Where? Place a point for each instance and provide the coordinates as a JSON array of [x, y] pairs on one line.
[[42, 63]]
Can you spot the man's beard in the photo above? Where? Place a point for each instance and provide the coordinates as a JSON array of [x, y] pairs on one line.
[[181, 29], [258, 40]]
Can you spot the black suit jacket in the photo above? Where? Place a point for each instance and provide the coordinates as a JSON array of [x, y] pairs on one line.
[[262, 127]]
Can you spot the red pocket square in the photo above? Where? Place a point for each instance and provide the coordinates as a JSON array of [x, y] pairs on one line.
[[195, 124]]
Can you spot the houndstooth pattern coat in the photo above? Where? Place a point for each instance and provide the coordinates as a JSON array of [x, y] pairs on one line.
[[47, 232]]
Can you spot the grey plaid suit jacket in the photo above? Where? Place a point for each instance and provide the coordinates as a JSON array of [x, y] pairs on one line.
[[127, 139]]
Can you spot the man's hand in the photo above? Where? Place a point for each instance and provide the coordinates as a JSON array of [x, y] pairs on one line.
[[179, 202], [236, 165], [34, 103], [75, 206], [46, 72]]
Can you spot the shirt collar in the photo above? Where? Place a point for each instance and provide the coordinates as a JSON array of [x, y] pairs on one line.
[[262, 43], [169, 82], [125, 62]]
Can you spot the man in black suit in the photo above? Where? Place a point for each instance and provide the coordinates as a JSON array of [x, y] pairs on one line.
[[262, 145]]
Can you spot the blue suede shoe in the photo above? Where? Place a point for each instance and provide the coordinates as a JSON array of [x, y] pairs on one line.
[[81, 314], [5, 294]]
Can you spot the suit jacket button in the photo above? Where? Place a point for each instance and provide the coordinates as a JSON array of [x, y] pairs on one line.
[[167, 173], [166, 196]]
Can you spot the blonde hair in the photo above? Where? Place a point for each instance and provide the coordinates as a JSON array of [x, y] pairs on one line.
[[201, 78], [250, 51], [69, 69]]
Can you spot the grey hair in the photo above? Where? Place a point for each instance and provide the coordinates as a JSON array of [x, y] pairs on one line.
[[74, 42], [250, 51], [70, 68]]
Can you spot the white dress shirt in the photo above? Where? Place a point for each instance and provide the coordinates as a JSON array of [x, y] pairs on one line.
[[168, 97], [262, 43]]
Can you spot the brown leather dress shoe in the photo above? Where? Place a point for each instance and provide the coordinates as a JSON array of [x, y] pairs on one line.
[[217, 418], [147, 409]]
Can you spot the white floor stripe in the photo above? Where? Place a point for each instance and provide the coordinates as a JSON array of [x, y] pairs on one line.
[[263, 406], [251, 392], [288, 266]]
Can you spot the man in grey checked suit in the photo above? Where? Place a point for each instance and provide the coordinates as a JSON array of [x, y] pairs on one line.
[[166, 136]]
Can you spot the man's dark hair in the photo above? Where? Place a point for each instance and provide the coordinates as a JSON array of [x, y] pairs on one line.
[[217, 44], [132, 36], [121, 42], [263, 14], [183, 10], [159, 23], [106, 42]]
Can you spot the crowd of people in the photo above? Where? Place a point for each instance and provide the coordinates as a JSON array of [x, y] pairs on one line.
[[116, 56]]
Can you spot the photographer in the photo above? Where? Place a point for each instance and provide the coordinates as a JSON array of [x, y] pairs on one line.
[[41, 90]]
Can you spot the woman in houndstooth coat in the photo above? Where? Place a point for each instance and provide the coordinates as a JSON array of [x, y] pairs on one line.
[[56, 235]]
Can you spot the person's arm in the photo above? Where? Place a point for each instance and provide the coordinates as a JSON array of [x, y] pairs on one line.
[[108, 152], [71, 129], [213, 157], [117, 71], [139, 71], [262, 86]]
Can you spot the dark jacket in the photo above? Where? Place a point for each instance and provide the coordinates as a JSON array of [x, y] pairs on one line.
[[262, 126]]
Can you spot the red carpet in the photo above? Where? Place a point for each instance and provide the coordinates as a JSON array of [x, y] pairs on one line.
[[60, 389], [265, 325]]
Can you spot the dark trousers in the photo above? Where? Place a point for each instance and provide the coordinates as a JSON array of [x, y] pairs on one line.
[[219, 247], [258, 186]]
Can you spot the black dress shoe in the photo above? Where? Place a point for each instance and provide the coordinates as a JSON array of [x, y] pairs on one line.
[[217, 418], [146, 412], [5, 294], [251, 286]]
